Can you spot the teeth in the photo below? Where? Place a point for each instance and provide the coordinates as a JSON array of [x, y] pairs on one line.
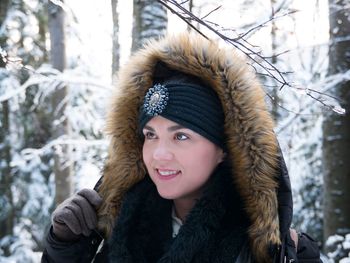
[[167, 173]]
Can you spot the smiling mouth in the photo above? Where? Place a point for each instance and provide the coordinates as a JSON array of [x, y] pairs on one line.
[[167, 174]]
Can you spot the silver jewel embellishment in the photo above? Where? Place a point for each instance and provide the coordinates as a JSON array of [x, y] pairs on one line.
[[156, 100]]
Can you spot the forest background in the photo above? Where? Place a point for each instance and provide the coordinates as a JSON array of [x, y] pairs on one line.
[[58, 64]]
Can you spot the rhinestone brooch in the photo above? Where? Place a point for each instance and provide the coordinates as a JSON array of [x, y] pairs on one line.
[[156, 100]]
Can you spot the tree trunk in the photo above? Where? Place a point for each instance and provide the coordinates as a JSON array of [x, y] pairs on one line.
[[4, 4], [274, 93], [63, 174], [336, 128], [190, 8], [115, 47], [7, 216], [150, 21]]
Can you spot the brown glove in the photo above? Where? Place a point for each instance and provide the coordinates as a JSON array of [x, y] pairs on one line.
[[76, 215]]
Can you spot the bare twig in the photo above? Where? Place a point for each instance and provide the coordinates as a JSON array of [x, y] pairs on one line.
[[212, 11], [184, 2], [182, 17], [241, 44]]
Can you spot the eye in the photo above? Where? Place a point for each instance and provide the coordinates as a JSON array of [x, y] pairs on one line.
[[181, 136], [149, 135]]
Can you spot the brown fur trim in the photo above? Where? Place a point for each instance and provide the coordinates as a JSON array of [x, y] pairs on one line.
[[251, 141]]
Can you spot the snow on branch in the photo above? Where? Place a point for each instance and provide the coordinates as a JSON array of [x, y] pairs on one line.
[[46, 75], [322, 96], [30, 153]]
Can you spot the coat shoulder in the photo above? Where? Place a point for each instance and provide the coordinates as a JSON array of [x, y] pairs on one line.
[[307, 250]]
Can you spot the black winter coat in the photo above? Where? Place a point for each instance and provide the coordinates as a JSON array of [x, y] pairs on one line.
[[215, 231]]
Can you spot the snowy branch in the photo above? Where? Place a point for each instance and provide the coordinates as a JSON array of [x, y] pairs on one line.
[[30, 153], [56, 79], [330, 102]]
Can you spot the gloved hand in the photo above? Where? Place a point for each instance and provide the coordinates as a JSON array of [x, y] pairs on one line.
[[294, 236], [76, 215]]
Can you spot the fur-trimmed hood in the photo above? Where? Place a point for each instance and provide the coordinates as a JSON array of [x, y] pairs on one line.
[[252, 146]]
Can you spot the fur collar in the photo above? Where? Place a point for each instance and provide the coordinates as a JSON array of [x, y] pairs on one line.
[[251, 142], [214, 231]]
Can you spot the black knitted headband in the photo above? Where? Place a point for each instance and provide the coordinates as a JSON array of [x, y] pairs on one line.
[[187, 103]]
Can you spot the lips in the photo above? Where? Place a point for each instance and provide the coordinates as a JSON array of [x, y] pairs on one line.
[[166, 174]]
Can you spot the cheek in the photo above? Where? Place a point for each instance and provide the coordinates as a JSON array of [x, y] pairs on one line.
[[201, 160], [146, 155]]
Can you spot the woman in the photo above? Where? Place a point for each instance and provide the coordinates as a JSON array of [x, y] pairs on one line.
[[194, 172]]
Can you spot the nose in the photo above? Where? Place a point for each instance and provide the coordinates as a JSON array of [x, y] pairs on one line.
[[162, 152]]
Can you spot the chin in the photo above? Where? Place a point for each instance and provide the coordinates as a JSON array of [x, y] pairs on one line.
[[166, 195]]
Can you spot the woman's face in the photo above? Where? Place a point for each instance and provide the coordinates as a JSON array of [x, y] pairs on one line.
[[179, 160]]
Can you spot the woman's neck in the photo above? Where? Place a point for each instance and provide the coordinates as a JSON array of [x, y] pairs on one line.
[[183, 207]]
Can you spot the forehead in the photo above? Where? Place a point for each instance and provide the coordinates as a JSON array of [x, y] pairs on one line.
[[159, 122]]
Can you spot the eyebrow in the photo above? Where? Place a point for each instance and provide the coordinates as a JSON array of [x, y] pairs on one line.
[[171, 128]]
